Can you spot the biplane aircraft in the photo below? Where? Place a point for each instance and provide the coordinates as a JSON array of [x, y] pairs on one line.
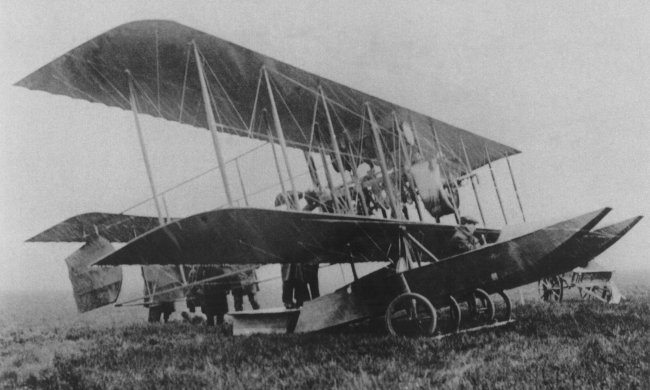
[[395, 172]]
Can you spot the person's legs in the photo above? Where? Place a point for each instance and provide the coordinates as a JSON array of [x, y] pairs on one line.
[[167, 309], [221, 301], [313, 288], [209, 314], [287, 294], [253, 302], [302, 294], [238, 298], [311, 278], [154, 314]]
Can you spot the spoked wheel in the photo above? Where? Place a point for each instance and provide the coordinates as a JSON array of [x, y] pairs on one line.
[[481, 307], [449, 317], [411, 314], [551, 289], [503, 310], [596, 292]]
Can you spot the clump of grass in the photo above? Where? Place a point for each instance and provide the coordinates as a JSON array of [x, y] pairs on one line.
[[570, 345]]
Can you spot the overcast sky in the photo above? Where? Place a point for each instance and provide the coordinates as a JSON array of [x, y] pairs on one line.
[[565, 82]]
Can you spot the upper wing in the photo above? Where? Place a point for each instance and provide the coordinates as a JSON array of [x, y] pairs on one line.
[[259, 236], [113, 227], [158, 56]]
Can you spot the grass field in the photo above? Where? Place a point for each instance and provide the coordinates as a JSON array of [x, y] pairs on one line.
[[576, 344]]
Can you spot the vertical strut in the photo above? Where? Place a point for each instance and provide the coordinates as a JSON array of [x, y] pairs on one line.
[[313, 173], [382, 163], [447, 176], [143, 149], [280, 133], [514, 184], [328, 176], [145, 157], [275, 160], [337, 151], [241, 182], [407, 165], [469, 173], [496, 187], [212, 124]]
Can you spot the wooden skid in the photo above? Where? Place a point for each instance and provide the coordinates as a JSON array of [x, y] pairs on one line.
[[475, 329], [265, 321]]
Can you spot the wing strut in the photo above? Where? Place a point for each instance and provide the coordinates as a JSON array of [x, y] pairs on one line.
[[328, 176], [337, 151], [145, 156], [407, 165], [496, 187], [212, 124], [280, 132], [514, 184], [469, 170], [382, 163]]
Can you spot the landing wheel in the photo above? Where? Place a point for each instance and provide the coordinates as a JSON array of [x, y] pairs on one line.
[[411, 314], [551, 289], [481, 307], [503, 310], [449, 317]]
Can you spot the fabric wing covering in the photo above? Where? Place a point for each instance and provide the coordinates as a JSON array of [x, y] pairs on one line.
[[113, 227], [93, 287], [160, 58], [260, 236]]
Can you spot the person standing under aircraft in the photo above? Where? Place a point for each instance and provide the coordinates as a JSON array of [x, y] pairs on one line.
[[310, 275], [245, 284], [463, 239], [294, 288], [213, 294]]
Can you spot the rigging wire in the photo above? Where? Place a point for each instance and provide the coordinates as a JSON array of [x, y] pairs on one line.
[[223, 89], [279, 93], [257, 95], [187, 65]]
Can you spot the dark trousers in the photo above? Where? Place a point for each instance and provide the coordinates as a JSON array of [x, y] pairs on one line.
[[163, 309], [311, 280], [294, 288], [238, 298], [215, 305]]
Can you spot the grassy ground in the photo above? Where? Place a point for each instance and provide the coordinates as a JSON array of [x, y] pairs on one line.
[[575, 344]]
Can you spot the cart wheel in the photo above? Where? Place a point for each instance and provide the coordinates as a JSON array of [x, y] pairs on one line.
[[507, 310], [480, 305], [410, 314], [449, 317], [551, 289]]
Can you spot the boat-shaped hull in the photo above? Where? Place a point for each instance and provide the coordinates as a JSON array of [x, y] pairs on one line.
[[505, 264]]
